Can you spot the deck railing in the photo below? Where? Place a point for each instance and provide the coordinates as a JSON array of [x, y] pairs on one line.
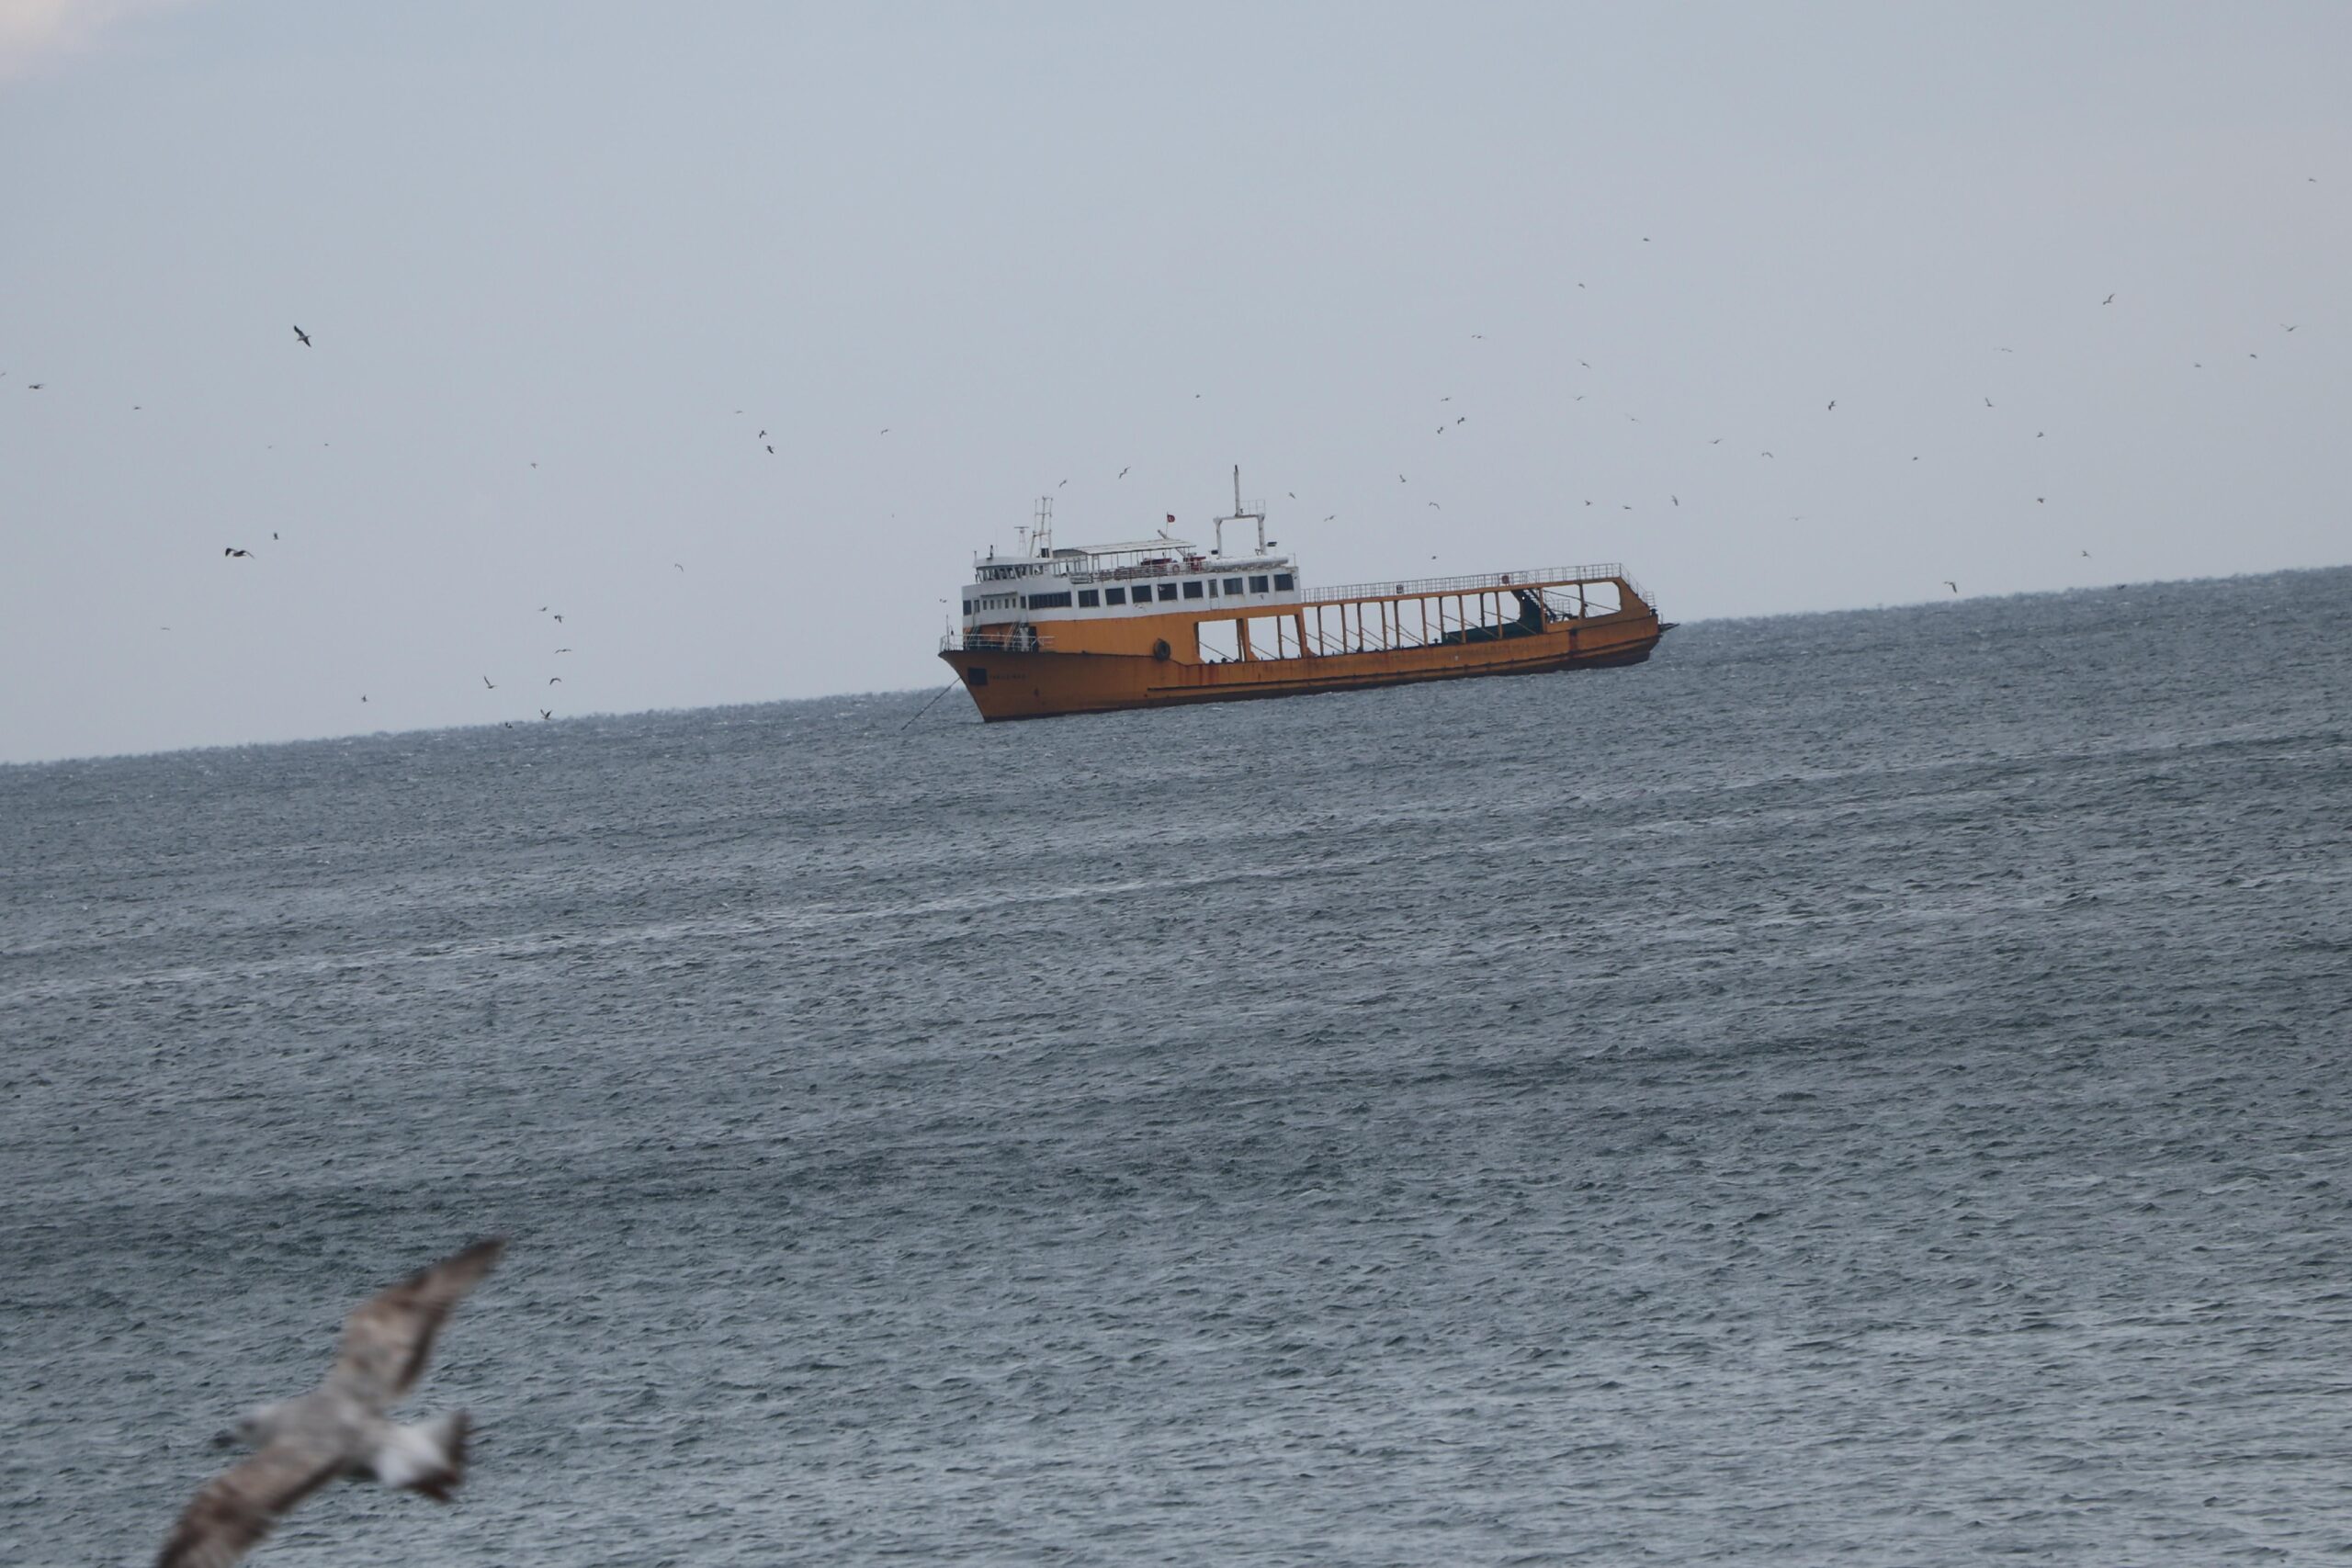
[[996, 639], [1540, 577]]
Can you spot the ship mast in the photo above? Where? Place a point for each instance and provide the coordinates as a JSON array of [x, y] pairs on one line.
[[1042, 535], [1258, 517]]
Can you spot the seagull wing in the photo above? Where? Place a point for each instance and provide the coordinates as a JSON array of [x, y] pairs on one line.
[[385, 1343], [238, 1506]]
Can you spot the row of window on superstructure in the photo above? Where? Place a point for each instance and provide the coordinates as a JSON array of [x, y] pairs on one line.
[[1142, 594]]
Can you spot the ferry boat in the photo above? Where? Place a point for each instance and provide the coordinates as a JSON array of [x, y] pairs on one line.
[[1154, 622]]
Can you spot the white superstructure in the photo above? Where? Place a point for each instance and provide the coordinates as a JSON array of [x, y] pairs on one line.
[[1140, 577]]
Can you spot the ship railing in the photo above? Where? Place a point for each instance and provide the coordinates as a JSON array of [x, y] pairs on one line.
[[1185, 565], [1539, 577], [996, 639]]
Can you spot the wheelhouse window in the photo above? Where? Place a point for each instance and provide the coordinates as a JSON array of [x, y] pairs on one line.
[[1114, 595], [1257, 585], [1089, 598], [1282, 582], [1168, 591], [1233, 585], [1049, 601], [1193, 588]]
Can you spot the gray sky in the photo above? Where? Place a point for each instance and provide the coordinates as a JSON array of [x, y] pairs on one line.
[[1041, 244]]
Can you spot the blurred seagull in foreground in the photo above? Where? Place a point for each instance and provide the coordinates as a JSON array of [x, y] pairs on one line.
[[340, 1427]]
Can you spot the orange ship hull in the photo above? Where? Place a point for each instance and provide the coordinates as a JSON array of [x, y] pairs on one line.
[[1012, 682]]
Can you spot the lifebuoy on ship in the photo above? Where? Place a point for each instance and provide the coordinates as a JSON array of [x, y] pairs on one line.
[[1161, 651]]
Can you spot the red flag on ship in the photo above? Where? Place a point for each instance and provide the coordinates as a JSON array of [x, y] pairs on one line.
[[1171, 517]]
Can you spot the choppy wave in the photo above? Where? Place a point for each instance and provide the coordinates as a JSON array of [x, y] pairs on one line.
[[1860, 1086]]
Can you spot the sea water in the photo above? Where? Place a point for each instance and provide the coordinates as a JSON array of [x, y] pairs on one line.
[[1868, 1086]]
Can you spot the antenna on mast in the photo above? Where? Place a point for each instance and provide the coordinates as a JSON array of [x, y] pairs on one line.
[[1042, 535], [1257, 516]]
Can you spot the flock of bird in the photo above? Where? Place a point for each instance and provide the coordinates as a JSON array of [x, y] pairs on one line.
[[1674, 500], [241, 552], [762, 439]]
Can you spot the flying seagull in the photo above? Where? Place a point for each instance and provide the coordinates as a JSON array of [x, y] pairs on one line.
[[233, 550], [303, 335], [340, 1427], [1833, 404], [1951, 584], [1122, 472], [554, 680], [485, 681], [546, 713], [2109, 301]]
